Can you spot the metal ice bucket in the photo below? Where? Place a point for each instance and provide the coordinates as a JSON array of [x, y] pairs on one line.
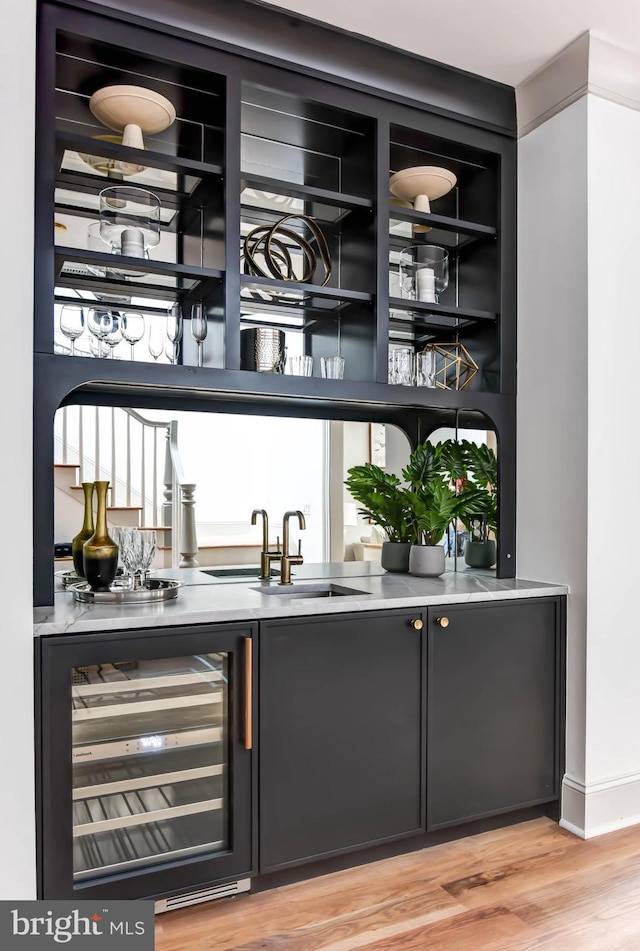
[[262, 349]]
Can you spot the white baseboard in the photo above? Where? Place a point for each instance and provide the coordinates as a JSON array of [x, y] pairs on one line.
[[592, 809], [570, 827]]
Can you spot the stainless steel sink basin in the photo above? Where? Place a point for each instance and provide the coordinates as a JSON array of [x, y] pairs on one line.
[[320, 590], [251, 571]]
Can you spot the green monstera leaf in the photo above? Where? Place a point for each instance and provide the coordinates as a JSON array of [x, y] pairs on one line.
[[382, 500]]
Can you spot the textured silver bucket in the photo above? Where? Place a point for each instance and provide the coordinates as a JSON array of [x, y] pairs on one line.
[[262, 349]]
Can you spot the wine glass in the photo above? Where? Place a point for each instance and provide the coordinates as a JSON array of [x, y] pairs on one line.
[[156, 339], [100, 323], [72, 324], [174, 331], [96, 348], [114, 337], [144, 547], [169, 350], [199, 327], [129, 555], [133, 328], [125, 576]]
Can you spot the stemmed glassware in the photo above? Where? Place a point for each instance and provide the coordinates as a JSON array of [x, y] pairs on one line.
[[199, 327], [72, 324], [156, 339], [124, 540], [124, 577], [144, 546], [174, 331], [169, 350], [114, 337], [100, 324], [133, 327], [137, 546]]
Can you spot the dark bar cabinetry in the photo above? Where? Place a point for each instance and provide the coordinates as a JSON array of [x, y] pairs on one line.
[[375, 732], [495, 708], [341, 734]]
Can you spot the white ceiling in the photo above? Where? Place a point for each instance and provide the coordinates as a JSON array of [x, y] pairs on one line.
[[506, 40]]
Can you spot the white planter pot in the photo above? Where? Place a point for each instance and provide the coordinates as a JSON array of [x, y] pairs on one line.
[[426, 561]]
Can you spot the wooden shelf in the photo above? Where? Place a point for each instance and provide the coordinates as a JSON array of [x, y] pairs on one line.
[[277, 186], [186, 279], [300, 298], [91, 146], [422, 309], [442, 222], [315, 290], [407, 330]]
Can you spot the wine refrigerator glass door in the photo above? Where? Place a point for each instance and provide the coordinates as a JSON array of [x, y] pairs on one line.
[[153, 747]]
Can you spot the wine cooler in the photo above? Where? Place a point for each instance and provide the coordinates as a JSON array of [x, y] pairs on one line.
[[145, 762]]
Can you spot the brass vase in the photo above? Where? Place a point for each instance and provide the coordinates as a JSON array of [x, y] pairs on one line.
[[100, 552], [86, 531]]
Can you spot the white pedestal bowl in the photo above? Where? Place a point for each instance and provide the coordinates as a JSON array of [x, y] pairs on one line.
[[132, 110], [421, 185]]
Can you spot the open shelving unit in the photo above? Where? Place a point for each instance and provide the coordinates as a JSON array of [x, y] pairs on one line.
[[256, 139], [466, 224]]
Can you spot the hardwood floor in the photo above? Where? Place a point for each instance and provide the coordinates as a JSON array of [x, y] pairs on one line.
[[531, 886]]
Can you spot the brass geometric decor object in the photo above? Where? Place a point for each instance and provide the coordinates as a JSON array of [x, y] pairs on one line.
[[455, 367]]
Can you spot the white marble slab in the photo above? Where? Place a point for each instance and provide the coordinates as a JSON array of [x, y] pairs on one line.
[[204, 602]]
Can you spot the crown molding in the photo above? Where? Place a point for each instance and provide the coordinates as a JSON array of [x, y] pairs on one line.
[[589, 65], [555, 86], [614, 73]]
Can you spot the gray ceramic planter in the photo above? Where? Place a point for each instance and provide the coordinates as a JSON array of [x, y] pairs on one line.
[[480, 554], [395, 556], [426, 561]]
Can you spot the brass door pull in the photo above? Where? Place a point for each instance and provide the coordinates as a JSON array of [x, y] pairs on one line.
[[248, 693], [417, 624], [442, 621]]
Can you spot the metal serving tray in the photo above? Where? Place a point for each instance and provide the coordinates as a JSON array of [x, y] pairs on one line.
[[71, 577], [154, 589]]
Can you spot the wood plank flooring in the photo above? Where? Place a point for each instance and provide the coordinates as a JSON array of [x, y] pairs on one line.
[[531, 886]]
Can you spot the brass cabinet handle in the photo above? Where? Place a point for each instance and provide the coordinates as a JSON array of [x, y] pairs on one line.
[[417, 624], [248, 693], [442, 621]]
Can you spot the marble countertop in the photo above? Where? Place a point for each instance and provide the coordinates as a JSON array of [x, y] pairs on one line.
[[206, 599]]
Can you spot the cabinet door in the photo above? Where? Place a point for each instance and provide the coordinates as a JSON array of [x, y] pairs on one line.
[[493, 708], [341, 734], [145, 762]]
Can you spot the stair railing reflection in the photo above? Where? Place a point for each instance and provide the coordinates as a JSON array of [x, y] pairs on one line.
[[144, 470]]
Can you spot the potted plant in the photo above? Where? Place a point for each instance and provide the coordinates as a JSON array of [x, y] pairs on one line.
[[383, 500], [479, 503], [432, 505]]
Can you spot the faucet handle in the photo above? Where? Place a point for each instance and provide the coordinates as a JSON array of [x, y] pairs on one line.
[[278, 545], [299, 548]]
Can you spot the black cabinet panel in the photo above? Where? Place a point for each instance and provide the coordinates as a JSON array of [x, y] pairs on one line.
[[341, 734], [493, 708]]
